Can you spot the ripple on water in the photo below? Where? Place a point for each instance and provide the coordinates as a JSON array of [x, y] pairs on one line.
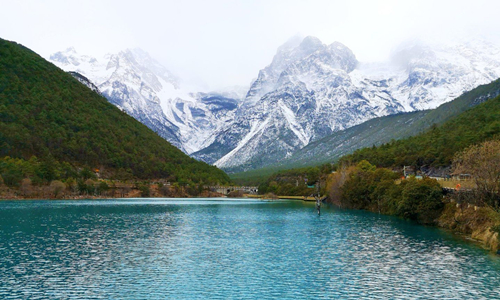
[[219, 250]]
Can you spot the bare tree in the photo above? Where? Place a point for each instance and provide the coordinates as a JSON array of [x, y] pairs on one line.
[[26, 187], [90, 186], [125, 191], [482, 162], [57, 187], [71, 185], [335, 181], [165, 190]]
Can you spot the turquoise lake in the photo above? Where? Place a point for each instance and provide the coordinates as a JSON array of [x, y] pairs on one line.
[[230, 249]]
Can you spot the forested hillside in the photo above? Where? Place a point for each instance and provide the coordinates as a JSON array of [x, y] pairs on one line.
[[437, 146], [46, 113]]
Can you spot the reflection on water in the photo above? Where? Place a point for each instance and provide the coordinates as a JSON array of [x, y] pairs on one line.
[[196, 249]]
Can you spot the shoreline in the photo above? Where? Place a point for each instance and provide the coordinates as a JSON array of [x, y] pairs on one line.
[[468, 223], [246, 196], [141, 198]]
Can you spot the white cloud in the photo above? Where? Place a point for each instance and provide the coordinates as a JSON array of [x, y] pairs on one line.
[[227, 42]]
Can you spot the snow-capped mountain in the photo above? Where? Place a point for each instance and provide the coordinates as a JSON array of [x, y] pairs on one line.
[[146, 90], [129, 80], [199, 115], [311, 90]]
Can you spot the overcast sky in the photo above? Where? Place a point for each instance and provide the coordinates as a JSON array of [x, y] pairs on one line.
[[225, 43]]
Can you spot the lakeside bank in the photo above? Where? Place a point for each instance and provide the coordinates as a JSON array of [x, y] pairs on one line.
[[471, 222], [479, 224]]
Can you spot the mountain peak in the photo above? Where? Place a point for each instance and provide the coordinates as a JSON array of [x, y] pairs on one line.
[[291, 43], [65, 57], [311, 42], [338, 46], [71, 50], [311, 90]]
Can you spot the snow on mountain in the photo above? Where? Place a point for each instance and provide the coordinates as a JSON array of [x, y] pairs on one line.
[[435, 75], [146, 90], [129, 80], [311, 90], [198, 115], [85, 81]]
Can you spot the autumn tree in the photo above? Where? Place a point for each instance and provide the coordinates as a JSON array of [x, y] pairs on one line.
[[335, 181], [357, 189], [71, 185], [57, 187], [26, 187], [90, 186], [482, 162]]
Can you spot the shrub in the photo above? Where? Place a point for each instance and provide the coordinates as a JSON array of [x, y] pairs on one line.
[[26, 187], [57, 187], [377, 190], [421, 200], [144, 189], [102, 188]]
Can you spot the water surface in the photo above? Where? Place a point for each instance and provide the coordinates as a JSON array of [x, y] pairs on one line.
[[199, 249]]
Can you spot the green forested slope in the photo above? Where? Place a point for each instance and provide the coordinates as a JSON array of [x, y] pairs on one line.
[[45, 112], [437, 146]]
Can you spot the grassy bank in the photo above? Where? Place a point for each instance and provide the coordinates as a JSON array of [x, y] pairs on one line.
[[479, 223]]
